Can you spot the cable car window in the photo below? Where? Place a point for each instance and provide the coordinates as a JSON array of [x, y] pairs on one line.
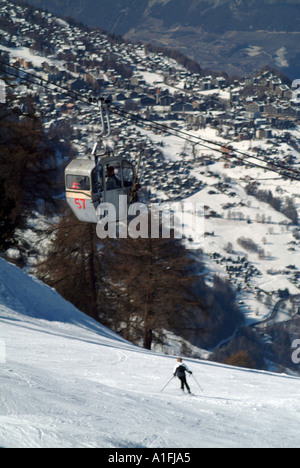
[[94, 179], [113, 176], [77, 182], [128, 174]]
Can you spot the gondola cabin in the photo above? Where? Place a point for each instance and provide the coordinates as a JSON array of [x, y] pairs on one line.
[[226, 151], [88, 184]]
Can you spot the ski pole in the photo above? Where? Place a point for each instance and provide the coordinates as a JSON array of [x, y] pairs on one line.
[[167, 383], [197, 383]]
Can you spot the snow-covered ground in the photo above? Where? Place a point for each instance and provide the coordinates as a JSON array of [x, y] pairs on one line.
[[67, 381], [26, 54], [231, 215]]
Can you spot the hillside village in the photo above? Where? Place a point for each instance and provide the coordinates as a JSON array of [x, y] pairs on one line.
[[255, 114]]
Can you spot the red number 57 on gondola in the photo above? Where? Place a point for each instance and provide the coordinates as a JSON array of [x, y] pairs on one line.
[[80, 203]]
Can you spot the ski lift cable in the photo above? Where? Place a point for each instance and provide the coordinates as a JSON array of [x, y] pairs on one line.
[[187, 136], [178, 133], [140, 120], [38, 81]]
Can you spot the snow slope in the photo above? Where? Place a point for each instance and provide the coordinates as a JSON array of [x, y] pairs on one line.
[[67, 381]]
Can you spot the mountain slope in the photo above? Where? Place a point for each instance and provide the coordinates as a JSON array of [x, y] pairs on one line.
[[66, 381], [176, 170], [120, 15], [219, 34]]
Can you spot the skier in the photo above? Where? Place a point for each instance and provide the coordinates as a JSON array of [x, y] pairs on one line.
[[179, 370]]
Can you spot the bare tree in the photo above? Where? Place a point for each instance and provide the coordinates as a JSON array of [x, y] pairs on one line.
[[74, 264], [152, 281]]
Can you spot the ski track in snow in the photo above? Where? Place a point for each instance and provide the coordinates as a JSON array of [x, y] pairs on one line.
[[73, 383]]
